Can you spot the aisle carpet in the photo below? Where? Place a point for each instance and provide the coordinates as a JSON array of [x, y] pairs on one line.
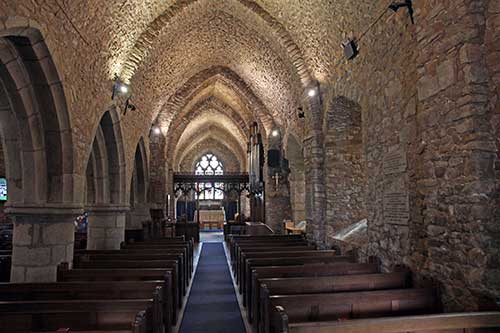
[[212, 304]]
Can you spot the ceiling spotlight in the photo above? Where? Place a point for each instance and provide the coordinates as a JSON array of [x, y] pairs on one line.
[[156, 130], [301, 113], [311, 92], [120, 88], [405, 4], [275, 133], [123, 88]]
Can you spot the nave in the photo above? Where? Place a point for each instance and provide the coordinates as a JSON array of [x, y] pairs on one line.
[[337, 151]]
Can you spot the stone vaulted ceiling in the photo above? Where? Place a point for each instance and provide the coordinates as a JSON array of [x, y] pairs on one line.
[[248, 60]]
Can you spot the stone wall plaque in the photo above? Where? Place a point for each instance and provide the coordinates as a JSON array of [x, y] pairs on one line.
[[395, 162], [396, 208]]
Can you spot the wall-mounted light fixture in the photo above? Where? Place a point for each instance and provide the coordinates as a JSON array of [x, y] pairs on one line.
[[406, 4], [156, 130], [350, 49], [275, 133], [120, 88], [301, 114]]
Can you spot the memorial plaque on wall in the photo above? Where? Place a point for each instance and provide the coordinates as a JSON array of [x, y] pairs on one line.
[[394, 162], [396, 203], [396, 208]]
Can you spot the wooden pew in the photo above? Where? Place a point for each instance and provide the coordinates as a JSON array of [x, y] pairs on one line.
[[244, 272], [347, 305], [161, 248], [94, 291], [251, 263], [305, 271], [471, 322], [172, 254], [233, 239], [261, 247], [323, 285], [120, 255], [161, 243], [79, 315], [122, 274], [290, 248], [171, 266], [285, 253], [256, 243]]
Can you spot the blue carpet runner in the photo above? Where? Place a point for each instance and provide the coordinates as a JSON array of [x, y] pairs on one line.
[[212, 305]]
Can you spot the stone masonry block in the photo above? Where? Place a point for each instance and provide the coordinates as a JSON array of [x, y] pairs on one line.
[[25, 256], [41, 274], [58, 233]]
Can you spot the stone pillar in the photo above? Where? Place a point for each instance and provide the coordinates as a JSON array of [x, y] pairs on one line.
[[106, 227], [43, 238], [138, 214]]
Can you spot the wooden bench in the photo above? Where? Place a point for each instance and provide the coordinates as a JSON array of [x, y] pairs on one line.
[[181, 270], [152, 254], [241, 265], [347, 305], [159, 291], [305, 271], [255, 243], [472, 322], [79, 315], [283, 261], [233, 239], [291, 248], [261, 247], [161, 243], [123, 274], [323, 285], [177, 287], [243, 274]]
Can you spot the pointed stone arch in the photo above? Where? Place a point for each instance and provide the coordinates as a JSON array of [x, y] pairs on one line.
[[106, 222], [346, 172], [39, 157], [139, 183]]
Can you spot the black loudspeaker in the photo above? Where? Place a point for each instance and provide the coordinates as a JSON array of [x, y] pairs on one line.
[[273, 158]]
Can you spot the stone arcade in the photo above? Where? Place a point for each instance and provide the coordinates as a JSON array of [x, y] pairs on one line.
[[251, 109]]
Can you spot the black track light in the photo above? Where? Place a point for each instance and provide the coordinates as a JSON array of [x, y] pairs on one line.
[[406, 4]]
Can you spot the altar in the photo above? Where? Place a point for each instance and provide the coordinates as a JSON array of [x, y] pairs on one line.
[[211, 219]]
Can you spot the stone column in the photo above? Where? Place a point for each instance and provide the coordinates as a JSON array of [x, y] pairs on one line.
[[43, 238], [106, 227], [137, 214]]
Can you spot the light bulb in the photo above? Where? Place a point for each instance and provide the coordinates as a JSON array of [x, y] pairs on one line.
[[156, 130], [311, 92], [123, 89], [275, 133]]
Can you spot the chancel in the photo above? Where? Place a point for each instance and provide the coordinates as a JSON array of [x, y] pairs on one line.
[[263, 166]]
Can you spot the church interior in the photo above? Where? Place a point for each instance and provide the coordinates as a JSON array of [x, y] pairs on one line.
[[263, 166]]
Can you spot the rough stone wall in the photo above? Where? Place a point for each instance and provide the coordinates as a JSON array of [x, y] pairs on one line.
[[158, 171], [428, 107], [345, 168]]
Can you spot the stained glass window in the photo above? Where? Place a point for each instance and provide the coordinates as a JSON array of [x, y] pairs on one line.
[[209, 164]]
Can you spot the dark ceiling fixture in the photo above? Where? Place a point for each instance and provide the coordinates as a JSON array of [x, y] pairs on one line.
[[406, 4], [301, 114], [128, 106], [350, 49]]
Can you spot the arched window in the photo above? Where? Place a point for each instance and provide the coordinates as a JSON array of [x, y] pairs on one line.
[[209, 164]]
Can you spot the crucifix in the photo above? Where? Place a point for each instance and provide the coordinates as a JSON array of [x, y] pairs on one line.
[[277, 176]]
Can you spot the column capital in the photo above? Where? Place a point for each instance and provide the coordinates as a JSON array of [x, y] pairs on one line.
[[107, 209], [44, 213]]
